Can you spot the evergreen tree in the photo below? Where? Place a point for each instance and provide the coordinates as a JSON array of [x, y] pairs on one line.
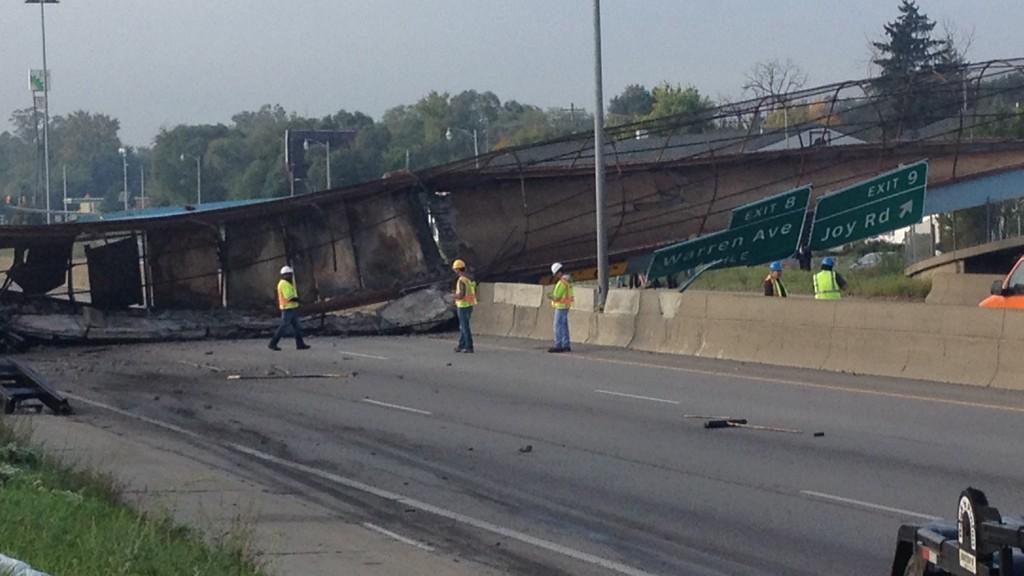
[[908, 57]]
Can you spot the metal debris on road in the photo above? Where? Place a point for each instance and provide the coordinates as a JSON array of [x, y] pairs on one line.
[[742, 423], [209, 367], [283, 376]]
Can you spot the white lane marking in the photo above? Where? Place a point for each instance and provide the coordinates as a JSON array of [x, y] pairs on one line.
[[801, 383], [635, 397], [398, 537], [383, 494], [868, 505], [360, 355], [397, 407]]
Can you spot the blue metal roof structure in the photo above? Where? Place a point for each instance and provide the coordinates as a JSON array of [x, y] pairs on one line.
[[162, 211]]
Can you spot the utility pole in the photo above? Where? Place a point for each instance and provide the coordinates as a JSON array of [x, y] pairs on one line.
[[142, 185], [599, 192], [64, 171]]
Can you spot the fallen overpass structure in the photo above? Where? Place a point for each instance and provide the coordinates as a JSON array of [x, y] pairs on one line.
[[511, 212]]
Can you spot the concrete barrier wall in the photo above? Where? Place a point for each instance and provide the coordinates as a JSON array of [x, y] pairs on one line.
[[960, 289], [1010, 363], [490, 316], [615, 327], [956, 344]]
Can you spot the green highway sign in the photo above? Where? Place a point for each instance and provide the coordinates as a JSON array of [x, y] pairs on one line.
[[37, 81], [769, 207], [766, 239], [887, 202]]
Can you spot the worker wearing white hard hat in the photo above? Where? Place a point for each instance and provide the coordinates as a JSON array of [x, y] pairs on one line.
[[561, 300], [288, 303]]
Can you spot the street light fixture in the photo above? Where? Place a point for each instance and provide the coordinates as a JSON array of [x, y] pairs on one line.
[[46, 102], [124, 162], [327, 143], [449, 135], [199, 176]]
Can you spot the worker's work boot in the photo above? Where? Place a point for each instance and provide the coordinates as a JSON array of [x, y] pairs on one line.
[[302, 346], [273, 346]]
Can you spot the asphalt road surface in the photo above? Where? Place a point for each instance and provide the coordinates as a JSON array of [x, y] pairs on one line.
[[576, 464]]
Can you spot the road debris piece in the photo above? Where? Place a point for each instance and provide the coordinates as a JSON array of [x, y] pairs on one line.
[[725, 422], [20, 383], [209, 367], [526, 449], [283, 376], [742, 423]]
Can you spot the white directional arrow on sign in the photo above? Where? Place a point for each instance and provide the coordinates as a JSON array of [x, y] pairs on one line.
[[906, 208]]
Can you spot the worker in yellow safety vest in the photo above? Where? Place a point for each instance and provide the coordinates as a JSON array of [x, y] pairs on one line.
[[828, 284], [773, 285], [288, 303], [561, 300], [465, 300]]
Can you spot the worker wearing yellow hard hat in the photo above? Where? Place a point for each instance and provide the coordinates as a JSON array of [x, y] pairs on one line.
[[465, 300]]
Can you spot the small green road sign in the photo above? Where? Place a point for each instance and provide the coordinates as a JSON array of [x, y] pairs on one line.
[[37, 81], [887, 202], [766, 239], [771, 206]]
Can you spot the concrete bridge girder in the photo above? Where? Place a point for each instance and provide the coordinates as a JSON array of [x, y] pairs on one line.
[[523, 221]]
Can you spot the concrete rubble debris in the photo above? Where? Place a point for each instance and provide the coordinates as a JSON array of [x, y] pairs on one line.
[[56, 322], [419, 311]]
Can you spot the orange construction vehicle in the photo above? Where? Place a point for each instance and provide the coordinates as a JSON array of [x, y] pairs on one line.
[[1008, 292]]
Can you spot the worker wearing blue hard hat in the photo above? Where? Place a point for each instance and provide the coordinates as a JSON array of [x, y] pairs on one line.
[[828, 284], [773, 285]]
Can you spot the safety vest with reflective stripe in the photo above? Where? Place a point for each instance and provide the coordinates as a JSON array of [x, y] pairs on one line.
[[562, 295], [778, 288], [826, 287], [285, 293], [468, 299]]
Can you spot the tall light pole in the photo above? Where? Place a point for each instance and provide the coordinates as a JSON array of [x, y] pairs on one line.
[[142, 186], [599, 193], [64, 171], [124, 162], [46, 102], [448, 135], [199, 176]]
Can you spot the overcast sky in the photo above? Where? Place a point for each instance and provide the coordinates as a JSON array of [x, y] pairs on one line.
[[158, 63]]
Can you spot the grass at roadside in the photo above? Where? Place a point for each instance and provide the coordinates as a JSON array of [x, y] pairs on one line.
[[70, 522], [886, 282]]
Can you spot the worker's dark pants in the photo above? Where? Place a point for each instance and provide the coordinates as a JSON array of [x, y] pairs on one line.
[[289, 319], [561, 327], [465, 334]]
